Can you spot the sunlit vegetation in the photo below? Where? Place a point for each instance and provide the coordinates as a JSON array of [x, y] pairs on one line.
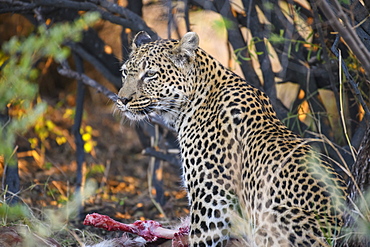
[[311, 91]]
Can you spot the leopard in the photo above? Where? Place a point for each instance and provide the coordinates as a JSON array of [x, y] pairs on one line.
[[250, 181]]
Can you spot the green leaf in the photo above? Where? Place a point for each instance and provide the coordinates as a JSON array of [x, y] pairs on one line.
[[13, 213], [274, 38], [346, 2], [19, 71], [223, 24]]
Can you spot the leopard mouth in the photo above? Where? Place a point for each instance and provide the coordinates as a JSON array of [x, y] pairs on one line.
[[134, 110]]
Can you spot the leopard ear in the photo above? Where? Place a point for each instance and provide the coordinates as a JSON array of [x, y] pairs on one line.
[[141, 38], [184, 51], [189, 43]]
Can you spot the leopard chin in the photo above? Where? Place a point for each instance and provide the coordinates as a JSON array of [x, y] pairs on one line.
[[134, 116]]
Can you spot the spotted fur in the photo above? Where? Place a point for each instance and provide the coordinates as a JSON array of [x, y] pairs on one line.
[[248, 177]]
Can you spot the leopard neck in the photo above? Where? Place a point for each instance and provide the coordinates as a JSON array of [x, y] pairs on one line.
[[202, 80]]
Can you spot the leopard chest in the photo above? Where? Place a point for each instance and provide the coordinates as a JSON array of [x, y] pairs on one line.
[[211, 158]]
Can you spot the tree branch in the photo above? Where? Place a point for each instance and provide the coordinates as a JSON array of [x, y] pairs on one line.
[[353, 84], [170, 158], [237, 41], [340, 23], [67, 72], [98, 64], [256, 29], [80, 152], [107, 10], [139, 24]]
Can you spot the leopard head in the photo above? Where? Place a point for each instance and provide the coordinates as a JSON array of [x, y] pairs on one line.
[[156, 77]]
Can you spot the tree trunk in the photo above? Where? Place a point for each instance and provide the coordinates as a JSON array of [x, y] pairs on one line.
[[11, 175], [355, 226]]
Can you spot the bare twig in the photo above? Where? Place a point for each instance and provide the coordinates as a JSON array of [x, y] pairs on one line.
[[67, 72], [98, 64], [256, 29], [339, 21], [235, 37], [205, 4], [341, 111], [352, 82], [170, 158], [107, 10], [325, 52], [127, 14]]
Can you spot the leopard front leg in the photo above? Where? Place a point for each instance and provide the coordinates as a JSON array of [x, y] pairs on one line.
[[212, 178], [210, 221], [211, 204]]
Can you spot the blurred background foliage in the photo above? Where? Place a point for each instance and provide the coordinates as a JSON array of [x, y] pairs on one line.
[[19, 74], [57, 133]]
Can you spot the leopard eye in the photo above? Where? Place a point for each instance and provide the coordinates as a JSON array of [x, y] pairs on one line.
[[150, 73]]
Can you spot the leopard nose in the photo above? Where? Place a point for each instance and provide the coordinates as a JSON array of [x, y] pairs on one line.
[[124, 100]]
